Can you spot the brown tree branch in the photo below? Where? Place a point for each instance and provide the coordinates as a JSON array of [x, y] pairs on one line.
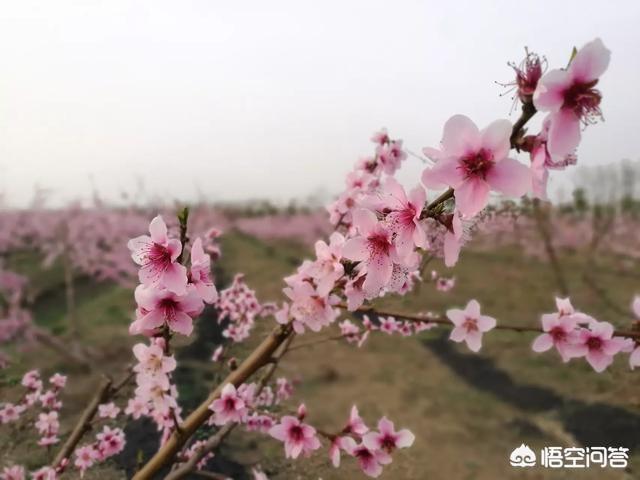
[[215, 440]]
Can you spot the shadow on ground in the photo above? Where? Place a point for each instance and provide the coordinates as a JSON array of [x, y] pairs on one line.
[[591, 424]]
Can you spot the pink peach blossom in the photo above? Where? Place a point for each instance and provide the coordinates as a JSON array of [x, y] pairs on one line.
[[570, 97], [473, 162], [387, 438], [470, 325], [598, 345], [298, 437], [200, 273], [164, 307], [157, 255], [230, 407], [374, 247]]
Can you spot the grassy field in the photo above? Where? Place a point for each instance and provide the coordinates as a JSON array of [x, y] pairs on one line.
[[468, 411]]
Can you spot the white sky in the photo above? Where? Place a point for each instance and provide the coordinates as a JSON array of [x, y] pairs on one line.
[[272, 99]]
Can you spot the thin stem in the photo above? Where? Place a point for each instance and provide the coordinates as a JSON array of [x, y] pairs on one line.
[[445, 321], [215, 440]]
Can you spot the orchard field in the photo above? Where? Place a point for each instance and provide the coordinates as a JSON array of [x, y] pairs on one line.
[[468, 411]]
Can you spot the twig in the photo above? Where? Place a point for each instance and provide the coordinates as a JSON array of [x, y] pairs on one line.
[[105, 391], [542, 224], [445, 321], [256, 360], [214, 441]]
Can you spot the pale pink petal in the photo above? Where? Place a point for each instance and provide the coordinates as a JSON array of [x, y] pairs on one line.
[[496, 137], [442, 174], [355, 249], [486, 323], [590, 62], [151, 320], [472, 196], [460, 136], [474, 341], [549, 95], [174, 278], [158, 230], [181, 323], [405, 438], [456, 316], [451, 249], [510, 177], [364, 220], [432, 153], [598, 360], [473, 309], [542, 343], [379, 271], [564, 133], [458, 334]]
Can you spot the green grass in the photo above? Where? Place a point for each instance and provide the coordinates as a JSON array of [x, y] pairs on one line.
[[462, 432]]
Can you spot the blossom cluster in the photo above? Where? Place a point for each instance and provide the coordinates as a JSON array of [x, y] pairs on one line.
[[371, 448], [577, 335]]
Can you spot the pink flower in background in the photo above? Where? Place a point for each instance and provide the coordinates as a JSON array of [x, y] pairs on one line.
[[47, 423], [31, 380], [473, 162], [374, 247], [560, 332], [152, 360], [44, 473], [86, 456], [58, 381], [381, 137], [470, 325], [387, 438], [230, 407], [10, 412], [200, 273], [388, 325], [166, 307], [453, 240], [15, 472], [355, 425], [598, 345], [110, 442], [347, 444], [327, 268], [136, 408], [108, 410], [570, 97], [371, 461], [157, 255], [402, 214], [390, 156], [308, 307], [298, 437], [542, 162]]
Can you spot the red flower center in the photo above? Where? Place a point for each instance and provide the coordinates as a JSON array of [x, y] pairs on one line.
[[558, 334], [379, 243], [477, 164], [584, 100], [295, 432], [169, 306], [594, 343]]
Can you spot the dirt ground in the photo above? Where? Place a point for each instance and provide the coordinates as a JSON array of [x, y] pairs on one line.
[[468, 411]]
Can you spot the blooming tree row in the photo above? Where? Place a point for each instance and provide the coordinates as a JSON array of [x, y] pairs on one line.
[[384, 237]]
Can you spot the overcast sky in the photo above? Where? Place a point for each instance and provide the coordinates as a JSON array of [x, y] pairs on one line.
[[273, 99]]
